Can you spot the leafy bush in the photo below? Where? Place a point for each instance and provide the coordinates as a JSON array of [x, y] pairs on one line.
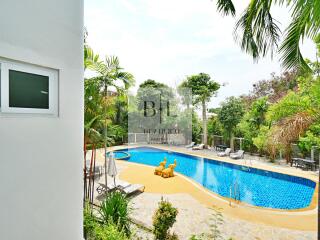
[[108, 232], [310, 139], [115, 209], [163, 220], [261, 140], [89, 221]]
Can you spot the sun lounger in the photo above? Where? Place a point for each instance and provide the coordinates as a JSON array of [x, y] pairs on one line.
[[102, 187], [132, 188], [225, 153], [190, 145], [120, 185], [198, 147], [237, 155]]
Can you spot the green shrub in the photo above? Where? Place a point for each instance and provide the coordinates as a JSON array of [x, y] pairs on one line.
[[89, 221], [115, 209], [194, 237], [108, 232], [163, 220]]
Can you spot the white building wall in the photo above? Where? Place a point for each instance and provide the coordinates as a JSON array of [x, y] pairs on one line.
[[40, 156]]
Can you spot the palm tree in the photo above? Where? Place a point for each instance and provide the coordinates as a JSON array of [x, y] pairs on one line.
[[98, 112], [109, 74], [258, 32]]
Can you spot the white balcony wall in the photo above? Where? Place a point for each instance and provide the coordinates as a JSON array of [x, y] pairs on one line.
[[41, 156]]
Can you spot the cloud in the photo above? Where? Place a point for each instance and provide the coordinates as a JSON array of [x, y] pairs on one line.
[[166, 40]]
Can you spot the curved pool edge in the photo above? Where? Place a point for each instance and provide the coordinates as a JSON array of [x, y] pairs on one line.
[[121, 158], [298, 220], [314, 200], [311, 208]]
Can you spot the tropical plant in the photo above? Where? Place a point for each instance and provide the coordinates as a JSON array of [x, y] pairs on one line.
[[309, 140], [196, 128], [100, 108], [110, 74], [252, 120], [90, 58], [258, 32], [94, 230], [89, 221], [261, 140], [97, 113], [163, 219], [230, 115], [202, 88], [115, 209], [109, 231], [293, 116]]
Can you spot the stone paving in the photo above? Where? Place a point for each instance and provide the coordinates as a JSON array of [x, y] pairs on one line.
[[194, 218]]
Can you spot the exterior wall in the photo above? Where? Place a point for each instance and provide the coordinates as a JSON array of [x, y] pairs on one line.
[[41, 156]]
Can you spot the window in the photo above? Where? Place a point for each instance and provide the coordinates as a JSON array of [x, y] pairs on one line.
[[26, 88]]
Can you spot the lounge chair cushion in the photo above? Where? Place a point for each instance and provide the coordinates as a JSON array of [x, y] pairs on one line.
[[225, 153], [132, 188], [199, 147], [237, 155]]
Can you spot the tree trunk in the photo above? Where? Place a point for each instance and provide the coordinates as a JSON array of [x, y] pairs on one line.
[[288, 154], [204, 121], [232, 141]]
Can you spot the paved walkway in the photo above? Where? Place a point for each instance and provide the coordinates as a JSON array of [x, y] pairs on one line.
[[194, 218]]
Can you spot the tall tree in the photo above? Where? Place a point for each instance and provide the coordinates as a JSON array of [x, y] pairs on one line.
[[202, 88], [292, 116], [230, 115], [258, 32]]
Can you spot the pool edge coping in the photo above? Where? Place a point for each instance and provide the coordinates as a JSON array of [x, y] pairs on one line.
[[312, 207]]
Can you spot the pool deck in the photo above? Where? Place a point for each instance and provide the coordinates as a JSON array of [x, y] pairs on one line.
[[303, 219]]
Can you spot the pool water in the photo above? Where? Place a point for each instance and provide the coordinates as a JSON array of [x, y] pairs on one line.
[[122, 155], [250, 185]]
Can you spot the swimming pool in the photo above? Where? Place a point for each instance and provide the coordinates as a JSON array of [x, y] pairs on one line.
[[250, 185], [120, 155]]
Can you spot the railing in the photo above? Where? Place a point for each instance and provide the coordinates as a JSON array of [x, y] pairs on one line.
[[234, 192], [150, 138]]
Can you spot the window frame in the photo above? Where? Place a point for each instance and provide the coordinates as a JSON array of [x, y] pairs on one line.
[[52, 74]]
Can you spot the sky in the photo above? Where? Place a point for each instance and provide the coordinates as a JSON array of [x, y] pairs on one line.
[[167, 40]]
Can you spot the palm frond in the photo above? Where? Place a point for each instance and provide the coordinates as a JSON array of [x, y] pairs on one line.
[[256, 30], [289, 129], [90, 58], [226, 7], [305, 23], [290, 49]]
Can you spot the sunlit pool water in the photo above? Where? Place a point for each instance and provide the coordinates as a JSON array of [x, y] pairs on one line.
[[250, 185]]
